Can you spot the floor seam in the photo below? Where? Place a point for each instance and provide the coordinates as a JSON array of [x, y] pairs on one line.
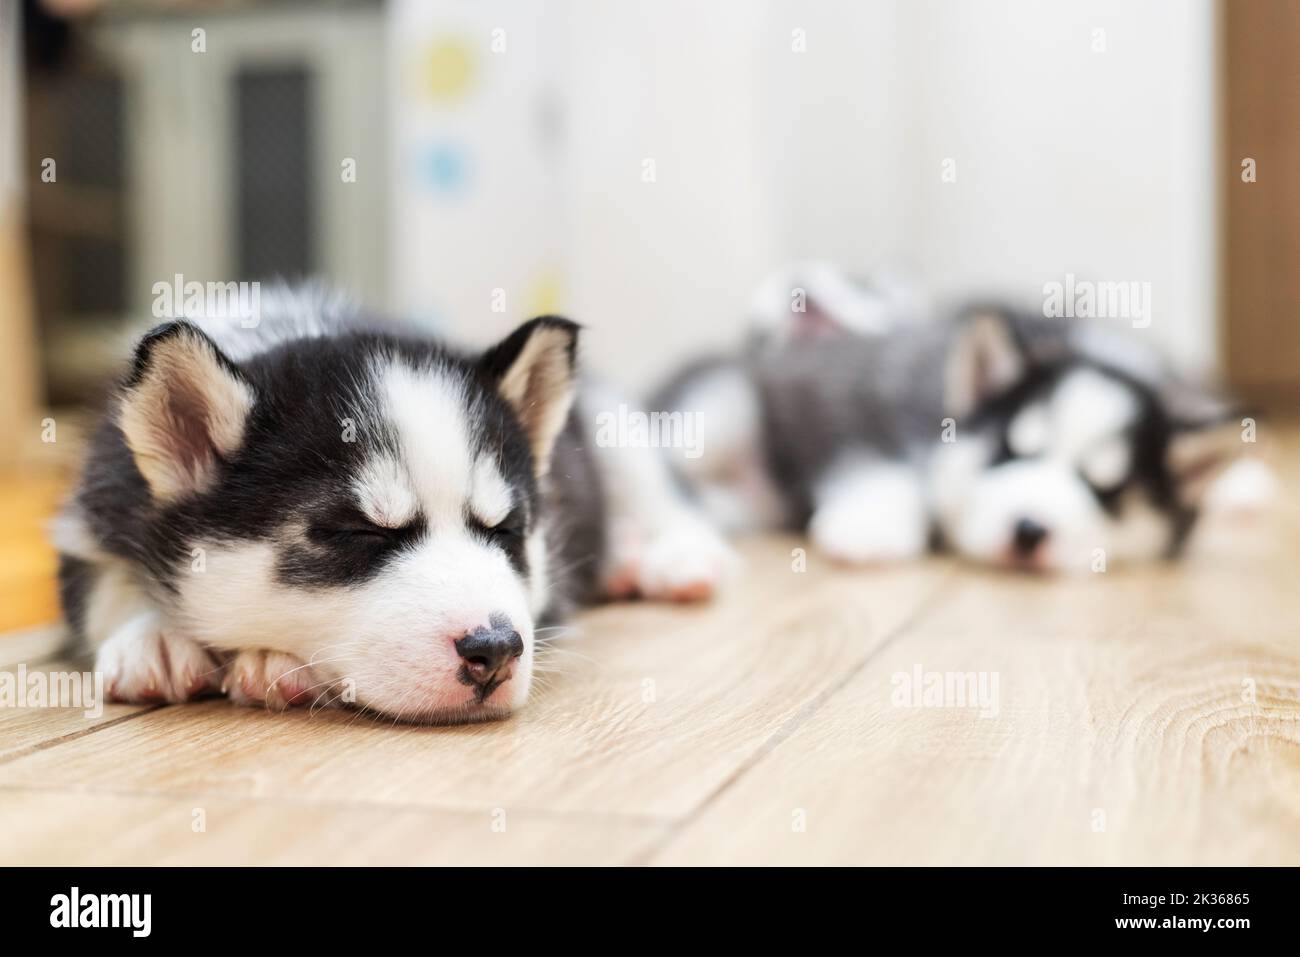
[[46, 743]]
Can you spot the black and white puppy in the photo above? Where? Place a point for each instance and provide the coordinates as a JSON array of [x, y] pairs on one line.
[[1014, 440], [320, 509]]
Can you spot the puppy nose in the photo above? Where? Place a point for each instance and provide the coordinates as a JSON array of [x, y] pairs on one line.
[[488, 650], [1028, 536]]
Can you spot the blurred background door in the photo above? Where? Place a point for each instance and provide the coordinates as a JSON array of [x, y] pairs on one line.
[[211, 141], [1262, 101]]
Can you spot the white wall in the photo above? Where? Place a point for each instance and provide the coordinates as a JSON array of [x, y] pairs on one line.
[[1068, 160], [659, 268], [1099, 164], [494, 222]]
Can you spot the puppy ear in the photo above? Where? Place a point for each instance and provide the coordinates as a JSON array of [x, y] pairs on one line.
[[816, 300], [1200, 451], [182, 410], [534, 369], [987, 358]]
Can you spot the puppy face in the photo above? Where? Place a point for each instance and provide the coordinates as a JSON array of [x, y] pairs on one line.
[[1061, 462], [367, 504]]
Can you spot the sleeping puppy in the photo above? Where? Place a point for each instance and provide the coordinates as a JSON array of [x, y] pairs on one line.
[[323, 509], [1014, 440]]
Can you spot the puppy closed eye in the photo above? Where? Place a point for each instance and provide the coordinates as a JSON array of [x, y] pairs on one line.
[[347, 527], [508, 531]]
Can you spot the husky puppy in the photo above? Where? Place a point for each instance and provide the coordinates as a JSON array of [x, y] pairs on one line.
[[323, 509], [1014, 440]]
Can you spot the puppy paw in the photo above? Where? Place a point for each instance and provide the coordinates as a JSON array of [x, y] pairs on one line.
[[142, 662], [870, 512], [863, 535], [271, 678], [685, 561]]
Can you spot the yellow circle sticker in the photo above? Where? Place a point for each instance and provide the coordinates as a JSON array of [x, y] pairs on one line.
[[446, 69]]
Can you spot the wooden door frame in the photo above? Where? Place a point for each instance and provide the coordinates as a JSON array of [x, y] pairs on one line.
[[1260, 237]]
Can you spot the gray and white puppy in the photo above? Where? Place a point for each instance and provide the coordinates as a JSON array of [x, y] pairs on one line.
[[326, 509], [1012, 439]]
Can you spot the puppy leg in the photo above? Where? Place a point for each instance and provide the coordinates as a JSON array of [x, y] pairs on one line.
[[141, 659], [870, 511], [270, 678], [670, 555], [660, 546], [727, 470]]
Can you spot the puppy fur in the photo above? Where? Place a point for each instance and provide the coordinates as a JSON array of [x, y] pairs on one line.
[[329, 509]]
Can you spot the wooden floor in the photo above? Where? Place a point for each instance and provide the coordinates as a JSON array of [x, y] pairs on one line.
[[1142, 717]]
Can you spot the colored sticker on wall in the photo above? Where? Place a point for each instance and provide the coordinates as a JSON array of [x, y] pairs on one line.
[[547, 293], [445, 168], [447, 69]]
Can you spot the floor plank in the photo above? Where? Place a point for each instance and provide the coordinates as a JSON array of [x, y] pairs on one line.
[[25, 728], [1123, 734], [59, 828]]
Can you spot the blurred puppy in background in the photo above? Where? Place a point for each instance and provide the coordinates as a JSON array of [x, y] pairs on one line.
[[1012, 439]]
